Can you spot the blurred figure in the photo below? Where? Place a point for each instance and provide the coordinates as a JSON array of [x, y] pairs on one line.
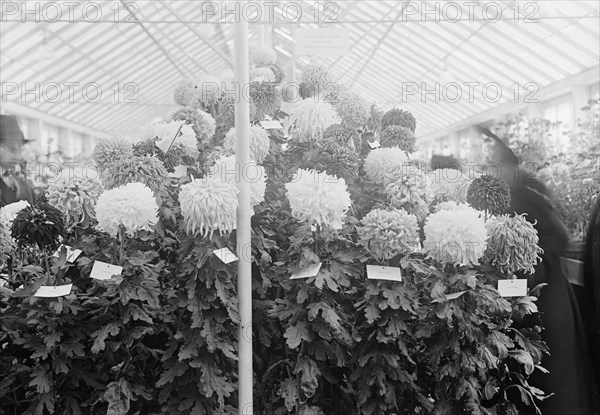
[[592, 284], [13, 187], [571, 378]]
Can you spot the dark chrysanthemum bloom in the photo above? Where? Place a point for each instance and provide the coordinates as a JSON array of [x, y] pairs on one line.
[[490, 194], [398, 136], [267, 98], [278, 72], [226, 115], [342, 135], [40, 225], [143, 169], [107, 151], [399, 117], [334, 159]]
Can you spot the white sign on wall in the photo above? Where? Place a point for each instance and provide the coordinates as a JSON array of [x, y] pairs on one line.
[[321, 42]]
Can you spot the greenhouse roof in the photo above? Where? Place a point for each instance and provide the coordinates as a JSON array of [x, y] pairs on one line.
[[113, 69]]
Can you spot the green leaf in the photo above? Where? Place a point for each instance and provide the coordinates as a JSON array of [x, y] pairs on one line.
[[111, 329], [213, 382], [42, 378]]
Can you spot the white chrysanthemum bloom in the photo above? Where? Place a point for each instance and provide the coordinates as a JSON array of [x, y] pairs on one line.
[[261, 56], [132, 205], [225, 169], [9, 212], [164, 133], [208, 205], [386, 165], [310, 118], [455, 236], [260, 143], [262, 74], [318, 198], [386, 234], [448, 205], [450, 184]]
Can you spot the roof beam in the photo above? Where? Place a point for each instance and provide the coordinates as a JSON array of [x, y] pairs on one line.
[[208, 43]]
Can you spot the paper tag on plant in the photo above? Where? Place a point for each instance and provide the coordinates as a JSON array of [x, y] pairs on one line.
[[72, 254], [179, 172], [512, 288], [225, 255], [103, 271], [308, 272], [271, 125], [51, 292], [375, 144], [313, 228], [285, 146], [376, 272]]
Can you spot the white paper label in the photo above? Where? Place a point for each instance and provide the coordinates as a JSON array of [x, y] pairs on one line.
[[72, 254], [103, 271], [271, 125], [512, 288], [179, 172], [374, 144], [285, 146], [321, 42], [376, 272], [225, 255], [310, 271], [50, 292]]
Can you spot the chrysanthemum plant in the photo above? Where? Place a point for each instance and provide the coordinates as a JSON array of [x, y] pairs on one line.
[[161, 337]]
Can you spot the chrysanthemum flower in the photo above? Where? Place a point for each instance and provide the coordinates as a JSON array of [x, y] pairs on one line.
[[226, 114], [318, 198], [490, 194], [385, 234], [450, 184], [399, 117], [412, 192], [261, 74], [7, 245], [278, 72], [262, 56], [9, 212], [385, 165], [208, 205], [333, 158], [203, 124], [398, 136], [343, 136], [208, 89], [352, 109], [185, 94], [267, 98], [316, 78], [310, 118], [226, 170], [144, 169], [76, 197], [512, 244], [41, 225], [260, 143], [133, 206], [448, 205], [108, 151], [455, 236]]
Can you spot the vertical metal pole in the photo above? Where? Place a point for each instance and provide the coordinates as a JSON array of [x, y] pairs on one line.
[[242, 130]]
